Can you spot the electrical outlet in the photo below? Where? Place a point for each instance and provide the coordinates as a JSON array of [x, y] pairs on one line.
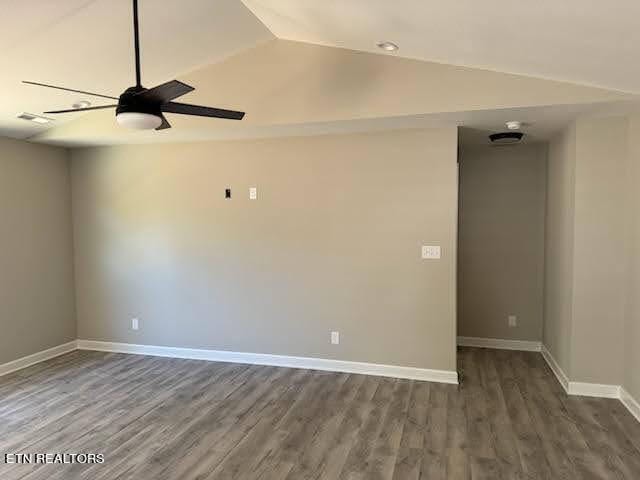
[[513, 321], [335, 338], [431, 252], [135, 324], [253, 193]]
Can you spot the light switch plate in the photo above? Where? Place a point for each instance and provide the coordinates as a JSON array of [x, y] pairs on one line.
[[335, 338], [513, 321], [431, 252], [253, 193]]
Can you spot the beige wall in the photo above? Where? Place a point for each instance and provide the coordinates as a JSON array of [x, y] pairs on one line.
[[600, 256], [501, 244], [332, 243], [587, 274], [631, 380], [36, 261], [559, 232]]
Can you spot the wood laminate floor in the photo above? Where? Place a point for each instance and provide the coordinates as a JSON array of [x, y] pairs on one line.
[[157, 418]]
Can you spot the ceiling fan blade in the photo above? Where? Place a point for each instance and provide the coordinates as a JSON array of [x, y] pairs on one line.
[[165, 92], [186, 109], [164, 125], [82, 109], [69, 90]]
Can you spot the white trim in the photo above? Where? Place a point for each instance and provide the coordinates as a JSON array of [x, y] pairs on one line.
[[499, 343], [594, 390], [441, 376], [579, 388], [38, 357], [631, 403], [555, 368]]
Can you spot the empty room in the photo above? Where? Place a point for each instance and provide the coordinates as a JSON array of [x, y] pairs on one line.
[[319, 239]]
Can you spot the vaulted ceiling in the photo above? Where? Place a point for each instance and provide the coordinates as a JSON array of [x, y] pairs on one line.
[[588, 42], [311, 66]]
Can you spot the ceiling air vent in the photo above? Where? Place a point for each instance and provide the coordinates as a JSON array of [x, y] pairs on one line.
[[506, 138], [33, 118]]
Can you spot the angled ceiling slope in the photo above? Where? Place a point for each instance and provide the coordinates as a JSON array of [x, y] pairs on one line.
[[284, 83], [587, 42]]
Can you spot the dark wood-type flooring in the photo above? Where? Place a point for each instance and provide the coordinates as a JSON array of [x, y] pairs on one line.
[[157, 418]]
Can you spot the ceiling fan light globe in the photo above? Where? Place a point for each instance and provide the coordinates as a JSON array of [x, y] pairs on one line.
[[138, 120]]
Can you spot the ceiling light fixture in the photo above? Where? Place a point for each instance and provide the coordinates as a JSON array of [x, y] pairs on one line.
[[82, 104], [514, 125], [506, 138], [388, 46], [139, 120], [33, 118]]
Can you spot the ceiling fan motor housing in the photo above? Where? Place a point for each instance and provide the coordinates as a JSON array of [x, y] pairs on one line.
[[129, 102]]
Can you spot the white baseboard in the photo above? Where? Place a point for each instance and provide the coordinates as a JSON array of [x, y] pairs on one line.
[[441, 376], [631, 403], [38, 357], [579, 388], [500, 344], [555, 368], [594, 390]]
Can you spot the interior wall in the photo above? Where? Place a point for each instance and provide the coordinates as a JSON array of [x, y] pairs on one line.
[[332, 244], [631, 380], [559, 233], [501, 241], [37, 308], [600, 253], [588, 250]]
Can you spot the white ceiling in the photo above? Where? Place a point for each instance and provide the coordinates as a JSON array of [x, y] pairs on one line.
[[589, 42], [295, 87], [226, 49], [88, 45]]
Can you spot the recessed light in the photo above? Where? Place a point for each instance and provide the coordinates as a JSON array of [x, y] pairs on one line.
[[513, 125], [81, 104], [33, 118], [388, 46]]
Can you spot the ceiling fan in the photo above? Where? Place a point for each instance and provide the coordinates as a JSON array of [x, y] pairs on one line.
[[143, 108]]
